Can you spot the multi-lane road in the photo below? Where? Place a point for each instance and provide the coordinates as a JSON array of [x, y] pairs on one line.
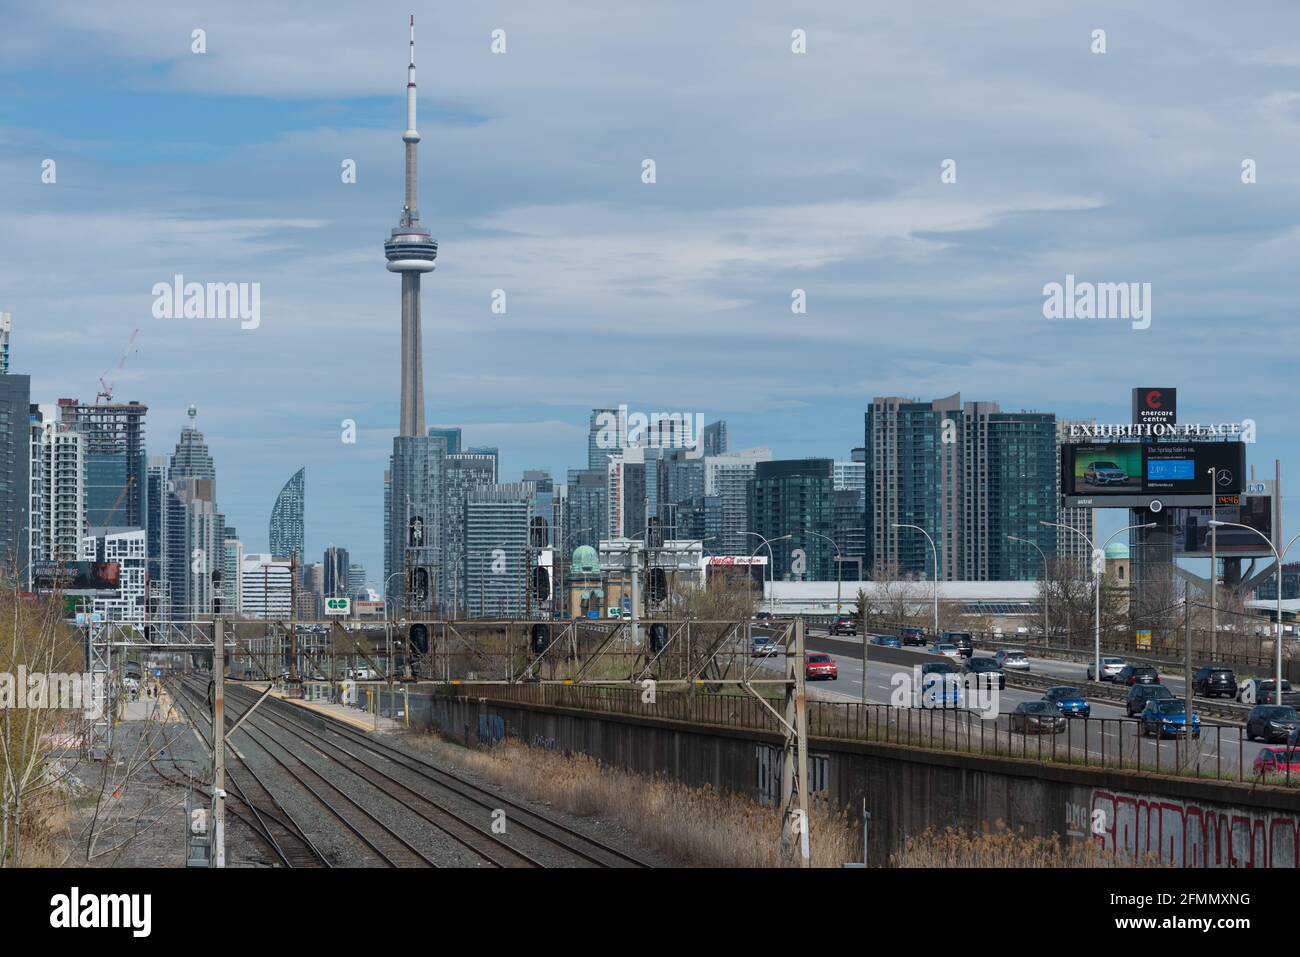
[[1223, 746]]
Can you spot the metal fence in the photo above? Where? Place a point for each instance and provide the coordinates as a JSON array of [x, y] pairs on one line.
[[1222, 752]]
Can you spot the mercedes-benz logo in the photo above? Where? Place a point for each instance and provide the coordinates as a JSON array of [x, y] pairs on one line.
[[1224, 477]]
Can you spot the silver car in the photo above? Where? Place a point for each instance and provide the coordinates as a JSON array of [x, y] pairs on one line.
[[1012, 660], [1110, 668]]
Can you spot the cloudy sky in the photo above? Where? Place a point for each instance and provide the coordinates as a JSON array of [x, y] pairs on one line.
[[775, 171]]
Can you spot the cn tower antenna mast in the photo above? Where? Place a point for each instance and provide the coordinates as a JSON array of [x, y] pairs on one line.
[[411, 251]]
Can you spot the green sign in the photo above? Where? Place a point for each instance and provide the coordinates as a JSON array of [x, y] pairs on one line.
[[338, 606]]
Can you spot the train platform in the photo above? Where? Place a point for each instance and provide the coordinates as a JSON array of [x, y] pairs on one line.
[[353, 717]]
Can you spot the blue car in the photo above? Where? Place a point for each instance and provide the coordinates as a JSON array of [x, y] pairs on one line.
[[1069, 701], [1168, 718], [886, 641], [939, 690]]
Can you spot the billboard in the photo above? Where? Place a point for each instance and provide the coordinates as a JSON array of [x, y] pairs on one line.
[[1133, 475], [1191, 528], [77, 576], [1112, 468]]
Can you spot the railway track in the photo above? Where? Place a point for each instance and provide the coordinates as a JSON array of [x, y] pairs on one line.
[[350, 745], [263, 812]]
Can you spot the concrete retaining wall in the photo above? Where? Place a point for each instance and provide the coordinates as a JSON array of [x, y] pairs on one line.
[[1183, 821]]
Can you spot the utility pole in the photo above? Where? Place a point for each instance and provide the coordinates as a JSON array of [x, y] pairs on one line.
[[219, 741], [1214, 565], [794, 766], [293, 617], [1187, 663]]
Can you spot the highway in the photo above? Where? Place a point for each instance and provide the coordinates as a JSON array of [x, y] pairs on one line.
[[1225, 750]]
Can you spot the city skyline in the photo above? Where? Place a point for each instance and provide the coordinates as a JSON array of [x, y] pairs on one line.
[[942, 290]]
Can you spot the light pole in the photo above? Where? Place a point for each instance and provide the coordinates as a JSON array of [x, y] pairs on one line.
[[1278, 557], [936, 573], [1098, 556], [771, 561], [1025, 541], [809, 531]]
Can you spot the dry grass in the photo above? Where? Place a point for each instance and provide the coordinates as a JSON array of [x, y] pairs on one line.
[[696, 827], [1002, 847]]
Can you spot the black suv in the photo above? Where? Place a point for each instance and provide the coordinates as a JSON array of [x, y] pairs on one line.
[[987, 666], [911, 635], [1272, 722], [1138, 675], [1140, 694], [1211, 682], [962, 640]]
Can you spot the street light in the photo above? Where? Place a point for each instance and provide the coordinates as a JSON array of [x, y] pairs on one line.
[[838, 576], [771, 560], [936, 574], [1098, 556], [1277, 556], [1026, 541]]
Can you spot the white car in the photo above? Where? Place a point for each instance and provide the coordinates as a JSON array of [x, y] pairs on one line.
[[1110, 668], [946, 649], [1012, 660]]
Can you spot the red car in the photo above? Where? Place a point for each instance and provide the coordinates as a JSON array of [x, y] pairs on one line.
[[818, 665], [1272, 762]]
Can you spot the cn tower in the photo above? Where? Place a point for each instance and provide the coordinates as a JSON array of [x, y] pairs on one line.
[[411, 251]]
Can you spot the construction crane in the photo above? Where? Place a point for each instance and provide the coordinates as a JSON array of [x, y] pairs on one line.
[[106, 388], [108, 519]]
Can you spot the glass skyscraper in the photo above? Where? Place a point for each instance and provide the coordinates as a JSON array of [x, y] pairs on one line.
[[288, 526]]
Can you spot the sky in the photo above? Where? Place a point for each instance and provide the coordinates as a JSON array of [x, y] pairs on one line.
[[775, 171]]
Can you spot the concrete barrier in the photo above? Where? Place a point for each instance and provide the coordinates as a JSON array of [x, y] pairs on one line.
[[1182, 821]]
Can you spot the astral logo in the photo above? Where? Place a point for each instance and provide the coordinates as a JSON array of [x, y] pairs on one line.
[[213, 300], [1103, 300], [103, 910]]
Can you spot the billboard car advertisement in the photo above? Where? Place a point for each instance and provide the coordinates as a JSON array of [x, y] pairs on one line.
[[1114, 468], [1131, 474]]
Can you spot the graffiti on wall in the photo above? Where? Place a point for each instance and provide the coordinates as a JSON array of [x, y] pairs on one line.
[[1192, 833]]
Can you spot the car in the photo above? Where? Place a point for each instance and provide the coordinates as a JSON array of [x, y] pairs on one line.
[[943, 667], [1280, 762], [1260, 691], [362, 674], [946, 649], [818, 665], [1272, 722], [1036, 717], [1104, 473], [1139, 694], [987, 666], [941, 689], [1110, 668], [962, 640], [844, 625], [761, 646], [1012, 660], [911, 635], [762, 616], [1138, 674], [1069, 700], [1211, 681], [1168, 717], [886, 641]]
